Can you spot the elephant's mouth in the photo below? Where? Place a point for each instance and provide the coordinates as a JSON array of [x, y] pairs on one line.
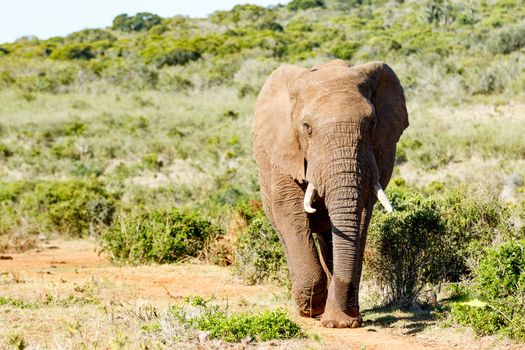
[[310, 193]]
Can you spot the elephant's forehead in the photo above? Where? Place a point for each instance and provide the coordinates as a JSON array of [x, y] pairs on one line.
[[346, 104], [331, 79], [334, 91], [332, 109]]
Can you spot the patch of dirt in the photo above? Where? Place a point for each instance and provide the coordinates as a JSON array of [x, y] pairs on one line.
[[70, 253], [71, 265]]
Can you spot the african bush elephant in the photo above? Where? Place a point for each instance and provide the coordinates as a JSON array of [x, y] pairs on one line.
[[325, 141]]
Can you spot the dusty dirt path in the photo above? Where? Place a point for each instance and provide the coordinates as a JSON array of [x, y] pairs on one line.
[[58, 265]]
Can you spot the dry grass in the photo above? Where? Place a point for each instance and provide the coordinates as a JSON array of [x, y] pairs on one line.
[[73, 298], [54, 284], [480, 144]]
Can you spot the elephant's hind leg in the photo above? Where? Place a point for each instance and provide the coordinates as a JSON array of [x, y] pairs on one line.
[[309, 285]]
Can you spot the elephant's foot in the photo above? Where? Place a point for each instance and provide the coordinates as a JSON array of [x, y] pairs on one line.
[[311, 303], [311, 311], [339, 319]]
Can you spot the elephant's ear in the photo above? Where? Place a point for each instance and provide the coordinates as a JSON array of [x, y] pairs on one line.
[[392, 118], [273, 132]]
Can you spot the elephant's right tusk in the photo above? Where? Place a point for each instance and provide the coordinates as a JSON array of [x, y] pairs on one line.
[[308, 197], [381, 196]]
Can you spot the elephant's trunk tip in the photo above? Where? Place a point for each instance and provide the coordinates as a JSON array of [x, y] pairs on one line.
[[308, 198], [381, 196]]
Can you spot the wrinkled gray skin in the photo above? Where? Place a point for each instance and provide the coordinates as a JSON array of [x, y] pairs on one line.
[[334, 126]]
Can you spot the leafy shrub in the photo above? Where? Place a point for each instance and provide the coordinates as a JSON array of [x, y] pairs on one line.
[[407, 248], [346, 50], [238, 13], [296, 5], [74, 207], [249, 209], [261, 326], [159, 236], [5, 152], [507, 40], [501, 273], [259, 255], [152, 161], [74, 52], [141, 21], [273, 26], [177, 56], [12, 191], [499, 281], [91, 35], [432, 239], [6, 78], [473, 222], [66, 149], [71, 208]]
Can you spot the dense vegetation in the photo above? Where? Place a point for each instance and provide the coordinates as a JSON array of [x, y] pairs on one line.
[[139, 133], [203, 315], [159, 236], [499, 281]]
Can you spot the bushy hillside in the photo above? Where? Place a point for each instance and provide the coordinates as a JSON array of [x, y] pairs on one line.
[[441, 48]]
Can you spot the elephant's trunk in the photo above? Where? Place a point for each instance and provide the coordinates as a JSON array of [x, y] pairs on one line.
[[345, 203]]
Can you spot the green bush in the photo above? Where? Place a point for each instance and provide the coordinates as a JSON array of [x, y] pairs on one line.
[[472, 224], [249, 209], [159, 236], [507, 40], [240, 13], [5, 152], [432, 239], [259, 255], [74, 52], [346, 51], [407, 248], [499, 281], [175, 57], [6, 78], [151, 161], [296, 5], [501, 273], [72, 208], [261, 326], [12, 191], [91, 35]]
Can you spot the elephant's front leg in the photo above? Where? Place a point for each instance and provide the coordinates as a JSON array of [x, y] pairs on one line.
[[333, 316], [309, 287]]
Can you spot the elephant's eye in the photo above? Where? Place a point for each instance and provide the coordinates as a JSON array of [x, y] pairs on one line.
[[307, 128]]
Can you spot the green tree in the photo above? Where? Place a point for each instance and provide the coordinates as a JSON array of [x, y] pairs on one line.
[[141, 21]]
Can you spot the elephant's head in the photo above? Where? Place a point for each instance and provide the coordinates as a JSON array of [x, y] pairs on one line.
[[334, 127]]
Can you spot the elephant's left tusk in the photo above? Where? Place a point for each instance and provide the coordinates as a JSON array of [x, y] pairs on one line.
[[381, 196], [308, 198]]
